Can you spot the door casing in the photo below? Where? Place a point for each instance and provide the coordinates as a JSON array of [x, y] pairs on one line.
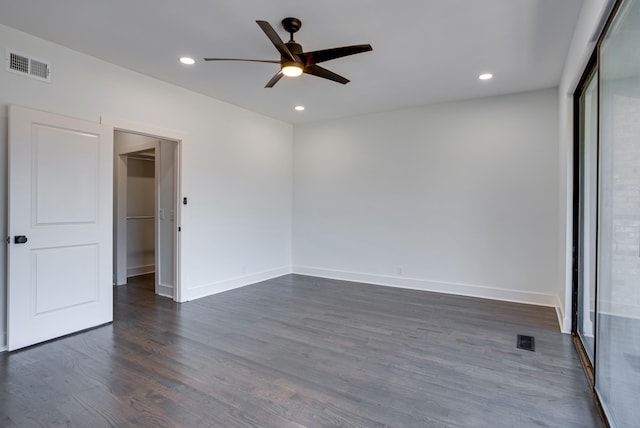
[[124, 125]]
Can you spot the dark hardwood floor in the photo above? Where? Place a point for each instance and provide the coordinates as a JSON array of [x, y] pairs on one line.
[[298, 351]]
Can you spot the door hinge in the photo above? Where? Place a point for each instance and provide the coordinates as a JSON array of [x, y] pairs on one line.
[[8, 240]]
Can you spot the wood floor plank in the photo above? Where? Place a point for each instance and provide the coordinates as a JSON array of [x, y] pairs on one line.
[[299, 351]]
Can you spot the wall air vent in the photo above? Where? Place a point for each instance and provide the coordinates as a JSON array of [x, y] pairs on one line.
[[22, 64]]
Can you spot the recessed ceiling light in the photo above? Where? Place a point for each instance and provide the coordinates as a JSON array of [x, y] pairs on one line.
[[485, 76], [188, 61], [299, 108]]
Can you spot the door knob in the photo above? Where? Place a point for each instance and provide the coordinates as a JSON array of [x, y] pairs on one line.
[[20, 239]]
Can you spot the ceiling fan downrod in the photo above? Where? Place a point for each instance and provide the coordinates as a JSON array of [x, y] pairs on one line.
[[291, 25]]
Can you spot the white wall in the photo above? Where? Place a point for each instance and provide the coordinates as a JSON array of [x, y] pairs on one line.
[[585, 36], [236, 164], [459, 197]]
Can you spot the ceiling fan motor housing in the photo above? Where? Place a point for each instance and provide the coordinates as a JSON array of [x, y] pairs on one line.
[[296, 50]]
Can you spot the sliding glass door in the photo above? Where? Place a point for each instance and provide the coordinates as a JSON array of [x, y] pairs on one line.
[[617, 366]]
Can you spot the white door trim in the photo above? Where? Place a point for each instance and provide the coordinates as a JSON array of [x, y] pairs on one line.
[[125, 125]]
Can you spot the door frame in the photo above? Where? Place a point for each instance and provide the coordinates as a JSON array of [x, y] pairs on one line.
[[147, 130], [589, 71]]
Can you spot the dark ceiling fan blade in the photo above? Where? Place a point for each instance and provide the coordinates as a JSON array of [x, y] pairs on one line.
[[242, 59], [316, 57], [316, 70], [276, 40], [274, 80]]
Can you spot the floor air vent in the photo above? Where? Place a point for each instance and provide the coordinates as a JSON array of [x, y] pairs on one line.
[[528, 343], [22, 64]]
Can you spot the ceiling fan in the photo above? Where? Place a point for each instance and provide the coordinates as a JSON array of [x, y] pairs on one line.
[[293, 61]]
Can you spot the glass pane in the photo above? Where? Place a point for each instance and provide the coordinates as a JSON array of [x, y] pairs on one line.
[[587, 215], [618, 323]]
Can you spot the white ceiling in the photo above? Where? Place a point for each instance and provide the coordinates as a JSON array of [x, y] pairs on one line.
[[425, 51]]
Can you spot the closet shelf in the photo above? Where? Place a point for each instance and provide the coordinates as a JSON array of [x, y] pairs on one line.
[[140, 217]]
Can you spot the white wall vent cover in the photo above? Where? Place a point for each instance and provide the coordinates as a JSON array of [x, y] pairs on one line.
[[16, 62]]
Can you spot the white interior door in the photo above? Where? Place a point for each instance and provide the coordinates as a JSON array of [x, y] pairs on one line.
[[60, 224]]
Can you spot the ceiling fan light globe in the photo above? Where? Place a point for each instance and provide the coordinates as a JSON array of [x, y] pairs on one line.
[[292, 70]]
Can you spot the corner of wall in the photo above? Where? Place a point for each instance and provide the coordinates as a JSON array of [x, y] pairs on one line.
[[232, 283]]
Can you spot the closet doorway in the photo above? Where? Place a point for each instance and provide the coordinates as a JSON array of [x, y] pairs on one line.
[[146, 210]]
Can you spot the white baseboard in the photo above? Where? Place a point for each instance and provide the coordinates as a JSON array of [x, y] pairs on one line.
[[231, 283], [564, 321], [140, 270], [165, 290], [470, 290]]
